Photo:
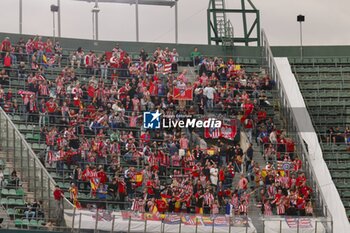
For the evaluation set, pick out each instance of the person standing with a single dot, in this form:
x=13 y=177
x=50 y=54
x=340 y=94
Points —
x=249 y=156
x=209 y=92
x=58 y=196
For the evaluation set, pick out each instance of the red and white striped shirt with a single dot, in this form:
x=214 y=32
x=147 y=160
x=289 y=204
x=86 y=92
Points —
x=208 y=199
x=243 y=208
x=43 y=90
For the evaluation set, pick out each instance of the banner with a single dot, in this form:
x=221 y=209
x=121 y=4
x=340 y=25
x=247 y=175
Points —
x=128 y=221
x=183 y=94
x=303 y=222
x=187 y=219
x=286 y=166
x=228 y=130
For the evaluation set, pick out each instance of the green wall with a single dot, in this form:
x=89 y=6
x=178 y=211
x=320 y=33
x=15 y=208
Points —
x=311 y=51
x=185 y=49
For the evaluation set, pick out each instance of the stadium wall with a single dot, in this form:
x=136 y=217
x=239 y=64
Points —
x=134 y=47
x=185 y=49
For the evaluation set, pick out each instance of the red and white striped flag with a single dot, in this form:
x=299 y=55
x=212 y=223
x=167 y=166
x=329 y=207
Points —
x=167 y=68
x=212 y=133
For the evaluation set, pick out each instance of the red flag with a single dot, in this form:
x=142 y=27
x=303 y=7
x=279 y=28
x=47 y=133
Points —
x=229 y=129
x=183 y=94
x=212 y=133
x=108 y=55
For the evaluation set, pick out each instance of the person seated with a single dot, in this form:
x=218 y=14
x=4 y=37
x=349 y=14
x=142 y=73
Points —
x=14 y=180
x=30 y=210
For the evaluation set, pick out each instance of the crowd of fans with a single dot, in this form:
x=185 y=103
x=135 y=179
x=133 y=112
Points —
x=91 y=124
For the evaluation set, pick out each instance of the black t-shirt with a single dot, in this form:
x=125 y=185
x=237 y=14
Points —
x=199 y=202
x=113 y=187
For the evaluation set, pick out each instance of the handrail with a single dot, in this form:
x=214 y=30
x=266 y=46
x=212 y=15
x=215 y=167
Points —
x=31 y=152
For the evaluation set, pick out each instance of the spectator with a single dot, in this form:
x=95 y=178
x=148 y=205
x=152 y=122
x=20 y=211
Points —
x=209 y=92
x=29 y=210
x=196 y=56
x=14 y=180
x=58 y=196
x=7 y=63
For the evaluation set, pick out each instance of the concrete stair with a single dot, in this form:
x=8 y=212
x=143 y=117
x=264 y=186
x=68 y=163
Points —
x=253 y=211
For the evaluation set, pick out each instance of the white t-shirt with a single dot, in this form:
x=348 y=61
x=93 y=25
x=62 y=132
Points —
x=209 y=92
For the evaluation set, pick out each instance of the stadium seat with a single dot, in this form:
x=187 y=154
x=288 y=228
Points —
x=20 y=192
x=4 y=192
x=20 y=202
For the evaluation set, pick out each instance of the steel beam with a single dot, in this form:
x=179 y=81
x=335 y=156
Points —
x=140 y=2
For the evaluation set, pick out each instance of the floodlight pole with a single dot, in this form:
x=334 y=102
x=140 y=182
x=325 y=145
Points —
x=20 y=16
x=176 y=23
x=59 y=18
x=301 y=40
x=53 y=25
x=95 y=11
x=137 y=19
x=301 y=19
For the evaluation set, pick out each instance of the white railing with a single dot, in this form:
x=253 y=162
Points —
x=35 y=179
x=288 y=114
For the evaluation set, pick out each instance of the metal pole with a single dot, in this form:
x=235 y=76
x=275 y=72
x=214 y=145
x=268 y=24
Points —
x=35 y=191
x=73 y=220
x=129 y=225
x=229 y=225
x=176 y=23
x=20 y=16
x=145 y=230
x=42 y=183
x=59 y=18
x=48 y=194
x=96 y=20
x=96 y=26
x=244 y=16
x=7 y=140
x=298 y=225
x=21 y=147
x=263 y=222
x=93 y=26
x=301 y=40
x=79 y=223
x=180 y=226
x=28 y=164
x=53 y=25
x=113 y=221
x=96 y=222
x=14 y=148
x=316 y=226
x=196 y=225
x=280 y=226
x=137 y=19
x=212 y=227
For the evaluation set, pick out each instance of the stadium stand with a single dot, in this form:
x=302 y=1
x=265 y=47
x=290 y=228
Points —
x=87 y=132
x=324 y=83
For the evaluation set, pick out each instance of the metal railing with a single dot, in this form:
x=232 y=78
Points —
x=36 y=181
x=292 y=126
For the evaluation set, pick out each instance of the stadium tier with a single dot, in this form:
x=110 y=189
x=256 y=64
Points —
x=324 y=84
x=84 y=145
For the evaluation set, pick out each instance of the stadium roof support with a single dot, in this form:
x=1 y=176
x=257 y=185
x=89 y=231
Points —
x=220 y=28
x=169 y=3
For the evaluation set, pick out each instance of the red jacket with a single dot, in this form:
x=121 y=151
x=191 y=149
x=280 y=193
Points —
x=103 y=177
x=7 y=61
x=58 y=194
